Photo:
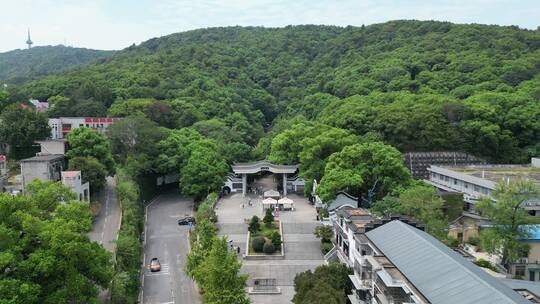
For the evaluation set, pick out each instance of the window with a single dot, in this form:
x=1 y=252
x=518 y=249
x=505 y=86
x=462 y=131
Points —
x=476 y=188
x=81 y=125
x=446 y=178
x=466 y=185
x=455 y=181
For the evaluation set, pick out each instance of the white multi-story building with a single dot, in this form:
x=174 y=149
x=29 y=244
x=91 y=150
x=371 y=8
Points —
x=73 y=180
x=479 y=181
x=60 y=127
x=395 y=261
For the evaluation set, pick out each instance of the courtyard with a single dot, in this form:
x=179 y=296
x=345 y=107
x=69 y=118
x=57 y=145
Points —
x=302 y=251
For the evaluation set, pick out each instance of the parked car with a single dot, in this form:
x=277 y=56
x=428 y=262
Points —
x=186 y=220
x=155 y=265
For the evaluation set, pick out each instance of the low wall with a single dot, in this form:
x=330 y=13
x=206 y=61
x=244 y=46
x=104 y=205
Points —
x=279 y=256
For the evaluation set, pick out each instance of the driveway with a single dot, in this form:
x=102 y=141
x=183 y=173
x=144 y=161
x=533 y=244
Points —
x=107 y=223
x=302 y=248
x=168 y=242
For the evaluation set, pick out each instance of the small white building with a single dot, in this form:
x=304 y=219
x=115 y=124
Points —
x=73 y=180
x=42 y=166
x=53 y=146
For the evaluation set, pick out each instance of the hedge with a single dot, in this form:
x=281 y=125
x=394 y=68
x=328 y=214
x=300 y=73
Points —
x=126 y=282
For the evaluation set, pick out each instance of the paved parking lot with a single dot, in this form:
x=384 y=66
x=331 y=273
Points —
x=302 y=251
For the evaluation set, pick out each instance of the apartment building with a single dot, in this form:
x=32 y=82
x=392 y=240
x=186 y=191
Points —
x=60 y=127
x=395 y=261
x=477 y=181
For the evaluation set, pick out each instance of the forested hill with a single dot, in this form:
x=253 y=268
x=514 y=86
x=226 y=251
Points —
x=416 y=85
x=18 y=66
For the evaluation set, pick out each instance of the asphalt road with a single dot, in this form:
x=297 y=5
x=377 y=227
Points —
x=168 y=242
x=107 y=223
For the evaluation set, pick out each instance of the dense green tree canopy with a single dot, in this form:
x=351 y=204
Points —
x=45 y=254
x=86 y=142
x=22 y=65
x=327 y=284
x=20 y=127
x=363 y=167
x=419 y=85
x=204 y=170
x=92 y=171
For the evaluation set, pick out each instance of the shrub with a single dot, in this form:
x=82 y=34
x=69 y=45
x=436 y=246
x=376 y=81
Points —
x=254 y=225
x=326 y=247
x=268 y=218
x=268 y=247
x=275 y=237
x=452 y=242
x=325 y=233
x=258 y=243
x=485 y=264
x=474 y=240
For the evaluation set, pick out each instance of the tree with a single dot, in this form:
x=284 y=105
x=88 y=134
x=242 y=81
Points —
x=315 y=150
x=48 y=194
x=286 y=147
x=268 y=217
x=325 y=233
x=422 y=203
x=204 y=170
x=219 y=276
x=206 y=233
x=174 y=150
x=136 y=137
x=92 y=171
x=254 y=225
x=327 y=284
x=510 y=221
x=20 y=128
x=362 y=167
x=47 y=245
x=86 y=142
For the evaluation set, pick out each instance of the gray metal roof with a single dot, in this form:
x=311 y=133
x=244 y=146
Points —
x=343 y=199
x=533 y=287
x=439 y=273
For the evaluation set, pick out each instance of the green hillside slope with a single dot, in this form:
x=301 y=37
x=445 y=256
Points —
x=417 y=85
x=22 y=65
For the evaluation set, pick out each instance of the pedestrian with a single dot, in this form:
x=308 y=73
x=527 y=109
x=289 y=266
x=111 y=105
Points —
x=238 y=250
x=249 y=203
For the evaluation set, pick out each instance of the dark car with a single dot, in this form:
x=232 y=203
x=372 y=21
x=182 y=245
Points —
x=186 y=220
x=155 y=265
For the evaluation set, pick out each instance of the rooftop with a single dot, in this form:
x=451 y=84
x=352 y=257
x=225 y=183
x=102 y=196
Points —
x=440 y=274
x=44 y=158
x=262 y=165
x=70 y=174
x=497 y=173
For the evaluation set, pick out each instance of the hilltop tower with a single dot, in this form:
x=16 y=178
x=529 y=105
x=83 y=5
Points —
x=29 y=41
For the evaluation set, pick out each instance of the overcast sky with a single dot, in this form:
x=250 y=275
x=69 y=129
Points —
x=116 y=24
